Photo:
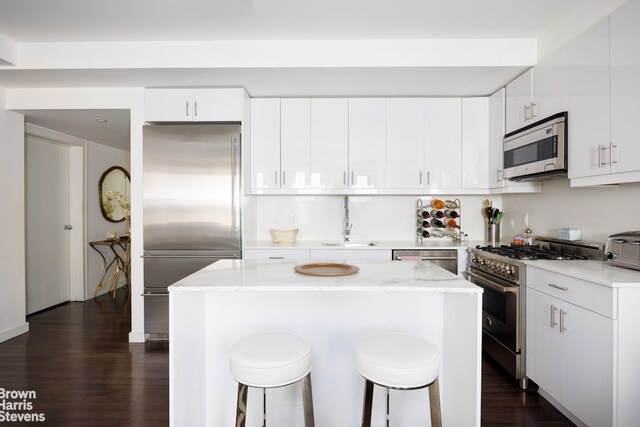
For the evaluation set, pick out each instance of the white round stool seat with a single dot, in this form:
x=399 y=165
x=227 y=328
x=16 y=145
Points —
x=271 y=359
x=397 y=361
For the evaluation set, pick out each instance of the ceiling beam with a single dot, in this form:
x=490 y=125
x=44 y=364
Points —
x=8 y=51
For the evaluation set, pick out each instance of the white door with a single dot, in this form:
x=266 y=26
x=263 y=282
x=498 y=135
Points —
x=496 y=138
x=551 y=85
x=168 y=105
x=47 y=213
x=405 y=142
x=265 y=143
x=295 y=143
x=443 y=143
x=475 y=142
x=518 y=104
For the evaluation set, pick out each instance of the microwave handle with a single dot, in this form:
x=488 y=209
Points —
x=527 y=117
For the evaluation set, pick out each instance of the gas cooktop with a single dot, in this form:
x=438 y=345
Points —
x=529 y=252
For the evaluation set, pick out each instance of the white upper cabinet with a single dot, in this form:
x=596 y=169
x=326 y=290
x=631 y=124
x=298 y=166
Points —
x=589 y=102
x=367 y=143
x=625 y=88
x=443 y=143
x=496 y=140
x=295 y=143
x=193 y=105
x=405 y=142
x=265 y=143
x=551 y=85
x=475 y=143
x=329 y=142
x=519 y=97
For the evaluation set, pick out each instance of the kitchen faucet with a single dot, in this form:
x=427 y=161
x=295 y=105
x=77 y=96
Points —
x=347 y=226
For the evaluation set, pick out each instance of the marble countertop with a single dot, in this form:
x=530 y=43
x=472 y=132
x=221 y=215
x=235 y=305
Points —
x=381 y=244
x=592 y=271
x=277 y=275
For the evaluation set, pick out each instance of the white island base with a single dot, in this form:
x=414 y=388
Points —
x=215 y=307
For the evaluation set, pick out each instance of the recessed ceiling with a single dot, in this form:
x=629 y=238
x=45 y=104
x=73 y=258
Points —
x=114 y=133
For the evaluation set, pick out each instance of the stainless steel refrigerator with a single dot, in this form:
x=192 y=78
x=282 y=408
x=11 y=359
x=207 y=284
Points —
x=191 y=208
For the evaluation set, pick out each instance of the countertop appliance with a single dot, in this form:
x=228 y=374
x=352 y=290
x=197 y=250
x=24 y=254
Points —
x=538 y=150
x=191 y=208
x=623 y=249
x=500 y=271
x=445 y=258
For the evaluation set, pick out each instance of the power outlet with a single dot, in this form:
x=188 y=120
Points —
x=525 y=220
x=294 y=219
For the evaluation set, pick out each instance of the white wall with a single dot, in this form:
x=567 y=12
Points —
x=373 y=217
x=599 y=211
x=12 y=253
x=100 y=158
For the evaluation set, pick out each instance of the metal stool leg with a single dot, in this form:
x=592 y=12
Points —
x=434 y=404
x=241 y=407
x=307 y=401
x=387 y=407
x=367 y=404
x=264 y=407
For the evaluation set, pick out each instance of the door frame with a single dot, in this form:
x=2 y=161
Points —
x=77 y=205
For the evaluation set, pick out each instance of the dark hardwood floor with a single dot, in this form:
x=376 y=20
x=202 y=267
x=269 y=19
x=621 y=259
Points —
x=77 y=359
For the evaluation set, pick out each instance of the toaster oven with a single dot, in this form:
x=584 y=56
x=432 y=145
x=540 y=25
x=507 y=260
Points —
x=623 y=250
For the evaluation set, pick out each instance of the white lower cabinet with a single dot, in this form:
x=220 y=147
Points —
x=288 y=253
x=571 y=350
x=350 y=254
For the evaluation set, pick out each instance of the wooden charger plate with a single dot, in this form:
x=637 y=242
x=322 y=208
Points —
x=326 y=269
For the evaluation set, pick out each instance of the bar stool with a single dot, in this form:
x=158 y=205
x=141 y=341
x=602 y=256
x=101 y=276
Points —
x=269 y=360
x=399 y=362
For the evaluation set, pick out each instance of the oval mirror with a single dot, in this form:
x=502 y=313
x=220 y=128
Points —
x=114 y=190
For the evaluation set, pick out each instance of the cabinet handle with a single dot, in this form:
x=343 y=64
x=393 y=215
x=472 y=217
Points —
x=186 y=104
x=498 y=171
x=353 y=178
x=195 y=108
x=344 y=177
x=276 y=257
x=611 y=147
x=527 y=116
x=562 y=314
x=599 y=156
x=562 y=288
x=284 y=182
x=552 y=316
x=428 y=178
x=275 y=174
x=533 y=110
x=420 y=177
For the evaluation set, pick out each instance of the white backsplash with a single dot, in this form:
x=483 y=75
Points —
x=598 y=211
x=373 y=217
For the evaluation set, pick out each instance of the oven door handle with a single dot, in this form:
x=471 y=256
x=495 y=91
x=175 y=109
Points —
x=494 y=286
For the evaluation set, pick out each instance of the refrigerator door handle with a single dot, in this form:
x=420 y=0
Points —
x=234 y=169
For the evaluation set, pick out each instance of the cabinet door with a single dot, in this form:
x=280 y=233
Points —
x=551 y=85
x=589 y=129
x=475 y=142
x=295 y=142
x=217 y=105
x=168 y=105
x=496 y=139
x=405 y=142
x=625 y=87
x=587 y=365
x=367 y=142
x=265 y=143
x=350 y=254
x=443 y=143
x=518 y=102
x=329 y=142
x=543 y=341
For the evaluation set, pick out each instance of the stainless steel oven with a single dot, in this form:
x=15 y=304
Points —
x=503 y=308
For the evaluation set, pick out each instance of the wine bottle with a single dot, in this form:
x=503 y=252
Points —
x=452 y=214
x=452 y=223
x=450 y=204
x=423 y=232
x=437 y=214
x=423 y=223
x=437 y=233
x=437 y=203
x=437 y=223
x=423 y=213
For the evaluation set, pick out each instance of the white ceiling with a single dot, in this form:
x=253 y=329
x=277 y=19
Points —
x=162 y=20
x=76 y=22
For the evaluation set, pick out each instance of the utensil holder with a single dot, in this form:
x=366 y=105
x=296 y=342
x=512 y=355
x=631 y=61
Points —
x=492 y=234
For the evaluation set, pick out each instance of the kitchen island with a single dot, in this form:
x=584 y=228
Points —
x=226 y=301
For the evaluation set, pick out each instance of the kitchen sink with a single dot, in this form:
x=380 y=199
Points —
x=349 y=244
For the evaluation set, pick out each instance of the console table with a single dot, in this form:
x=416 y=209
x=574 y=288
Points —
x=119 y=259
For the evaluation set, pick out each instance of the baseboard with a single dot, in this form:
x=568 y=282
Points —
x=135 y=336
x=561 y=408
x=13 y=332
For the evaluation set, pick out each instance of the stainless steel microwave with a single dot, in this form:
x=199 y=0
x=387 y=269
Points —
x=538 y=150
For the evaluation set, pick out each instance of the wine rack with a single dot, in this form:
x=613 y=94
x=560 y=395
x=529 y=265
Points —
x=438 y=218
